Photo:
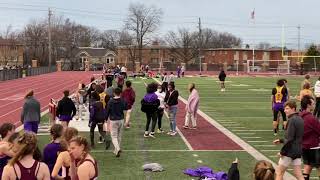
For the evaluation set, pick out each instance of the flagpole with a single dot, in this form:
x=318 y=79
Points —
x=253 y=55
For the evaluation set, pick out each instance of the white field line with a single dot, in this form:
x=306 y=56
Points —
x=265 y=145
x=247 y=133
x=166 y=150
x=180 y=133
x=252 y=137
x=257 y=141
x=250 y=149
x=249 y=130
x=270 y=150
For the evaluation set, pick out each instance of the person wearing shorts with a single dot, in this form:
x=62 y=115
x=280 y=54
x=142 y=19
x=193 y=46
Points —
x=290 y=153
x=278 y=98
x=311 y=136
x=66 y=110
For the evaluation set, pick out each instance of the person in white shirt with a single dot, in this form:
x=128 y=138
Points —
x=161 y=93
x=171 y=78
x=316 y=111
x=124 y=71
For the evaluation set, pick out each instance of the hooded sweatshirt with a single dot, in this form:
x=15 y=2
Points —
x=311 y=133
x=129 y=96
x=115 y=109
x=193 y=102
x=150 y=103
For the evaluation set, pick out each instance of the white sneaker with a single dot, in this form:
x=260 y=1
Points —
x=173 y=133
x=152 y=135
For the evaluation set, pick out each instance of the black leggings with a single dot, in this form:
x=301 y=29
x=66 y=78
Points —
x=316 y=111
x=275 y=115
x=100 y=128
x=151 y=116
x=160 y=115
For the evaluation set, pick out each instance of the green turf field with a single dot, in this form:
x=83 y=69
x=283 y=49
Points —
x=244 y=106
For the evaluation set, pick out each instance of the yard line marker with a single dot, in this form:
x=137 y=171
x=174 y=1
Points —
x=246 y=133
x=199 y=161
x=269 y=150
x=274 y=156
x=258 y=141
x=238 y=127
x=265 y=145
x=252 y=137
x=43 y=134
x=195 y=155
x=262 y=130
x=247 y=147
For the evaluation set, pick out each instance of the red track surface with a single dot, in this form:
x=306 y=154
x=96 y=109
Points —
x=45 y=87
x=206 y=137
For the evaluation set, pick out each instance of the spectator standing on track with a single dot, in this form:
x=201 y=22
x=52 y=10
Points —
x=83 y=165
x=178 y=71
x=171 y=103
x=30 y=115
x=7 y=130
x=290 y=153
x=17 y=167
x=192 y=107
x=63 y=161
x=129 y=96
x=115 y=112
x=149 y=105
x=91 y=89
x=316 y=111
x=222 y=78
x=66 y=109
x=311 y=137
x=51 y=151
x=161 y=93
x=80 y=96
x=124 y=71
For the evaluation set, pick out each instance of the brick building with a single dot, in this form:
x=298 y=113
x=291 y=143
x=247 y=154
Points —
x=11 y=52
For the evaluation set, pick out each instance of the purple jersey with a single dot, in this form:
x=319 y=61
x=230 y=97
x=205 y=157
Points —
x=50 y=154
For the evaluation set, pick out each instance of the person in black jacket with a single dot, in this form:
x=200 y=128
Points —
x=171 y=103
x=290 y=153
x=222 y=78
x=66 y=110
x=149 y=105
x=98 y=115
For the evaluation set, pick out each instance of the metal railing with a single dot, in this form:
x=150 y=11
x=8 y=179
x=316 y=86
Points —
x=9 y=74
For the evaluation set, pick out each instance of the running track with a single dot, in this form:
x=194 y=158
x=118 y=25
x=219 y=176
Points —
x=45 y=87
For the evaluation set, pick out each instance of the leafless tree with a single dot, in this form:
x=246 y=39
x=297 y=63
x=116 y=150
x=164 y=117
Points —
x=142 y=21
x=183 y=45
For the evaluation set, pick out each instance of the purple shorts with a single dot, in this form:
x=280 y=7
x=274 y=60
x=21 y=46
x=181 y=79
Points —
x=31 y=126
x=65 y=118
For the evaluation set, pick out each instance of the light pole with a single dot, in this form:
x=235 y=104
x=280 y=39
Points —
x=200 y=61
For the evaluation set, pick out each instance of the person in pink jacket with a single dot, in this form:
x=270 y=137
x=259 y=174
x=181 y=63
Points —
x=192 y=107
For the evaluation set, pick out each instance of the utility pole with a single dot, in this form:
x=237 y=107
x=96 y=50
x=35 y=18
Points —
x=200 y=43
x=299 y=27
x=49 y=34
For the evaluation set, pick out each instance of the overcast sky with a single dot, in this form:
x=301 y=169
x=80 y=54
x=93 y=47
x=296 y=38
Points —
x=222 y=15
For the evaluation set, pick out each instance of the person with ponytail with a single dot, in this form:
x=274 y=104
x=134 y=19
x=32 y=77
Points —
x=51 y=151
x=264 y=170
x=6 y=147
x=23 y=166
x=63 y=161
x=83 y=165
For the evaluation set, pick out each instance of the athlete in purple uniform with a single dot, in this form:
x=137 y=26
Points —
x=278 y=99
